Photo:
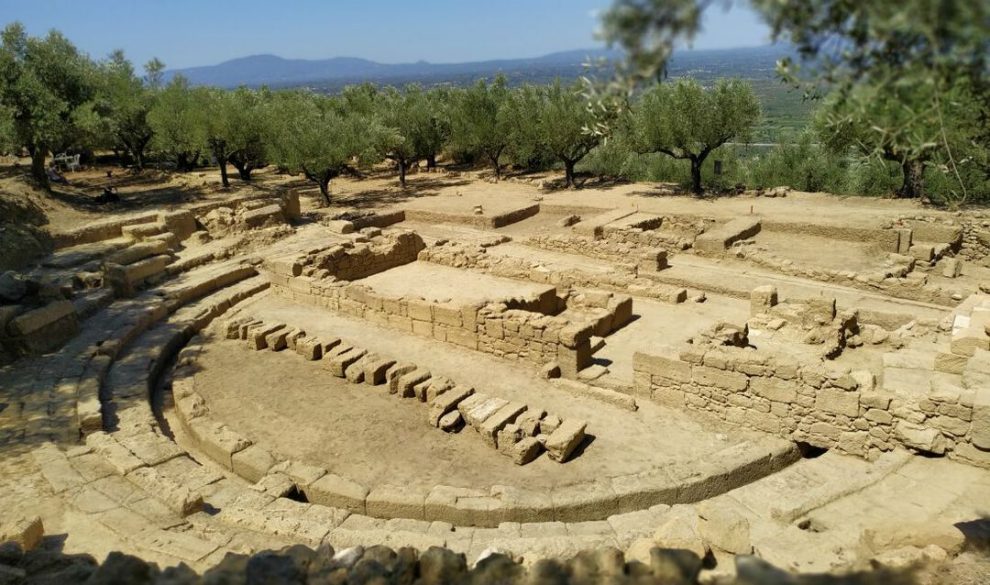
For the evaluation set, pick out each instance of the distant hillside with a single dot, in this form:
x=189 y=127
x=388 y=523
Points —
x=331 y=74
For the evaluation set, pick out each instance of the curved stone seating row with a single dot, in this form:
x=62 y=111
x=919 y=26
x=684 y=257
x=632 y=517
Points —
x=580 y=502
x=174 y=483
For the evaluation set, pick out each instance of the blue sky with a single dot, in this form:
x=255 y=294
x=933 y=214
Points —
x=186 y=33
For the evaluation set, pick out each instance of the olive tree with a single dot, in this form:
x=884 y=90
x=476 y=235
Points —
x=482 y=121
x=123 y=102
x=941 y=44
x=562 y=120
x=44 y=83
x=314 y=135
x=687 y=121
x=178 y=123
x=419 y=127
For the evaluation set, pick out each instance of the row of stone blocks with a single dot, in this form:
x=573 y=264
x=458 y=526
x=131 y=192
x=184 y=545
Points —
x=515 y=429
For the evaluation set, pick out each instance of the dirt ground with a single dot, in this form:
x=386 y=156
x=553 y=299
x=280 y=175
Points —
x=301 y=410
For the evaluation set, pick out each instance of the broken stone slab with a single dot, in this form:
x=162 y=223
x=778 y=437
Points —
x=279 y=340
x=496 y=422
x=26 y=531
x=376 y=368
x=924 y=439
x=436 y=387
x=405 y=383
x=258 y=336
x=525 y=450
x=310 y=348
x=339 y=362
x=354 y=373
x=173 y=494
x=246 y=326
x=479 y=407
x=562 y=442
x=395 y=372
x=724 y=527
x=451 y=422
x=720 y=238
x=447 y=402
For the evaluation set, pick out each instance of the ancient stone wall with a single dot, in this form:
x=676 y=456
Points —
x=625 y=277
x=481 y=220
x=516 y=334
x=820 y=404
x=350 y=260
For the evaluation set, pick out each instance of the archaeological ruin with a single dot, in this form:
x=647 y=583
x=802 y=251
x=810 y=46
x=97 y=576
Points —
x=503 y=378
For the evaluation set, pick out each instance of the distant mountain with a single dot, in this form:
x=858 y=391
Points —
x=329 y=74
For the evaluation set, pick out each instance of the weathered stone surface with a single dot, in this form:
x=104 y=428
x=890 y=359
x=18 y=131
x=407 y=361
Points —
x=447 y=402
x=562 y=442
x=724 y=527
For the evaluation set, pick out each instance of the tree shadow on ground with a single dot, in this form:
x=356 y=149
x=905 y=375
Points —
x=391 y=195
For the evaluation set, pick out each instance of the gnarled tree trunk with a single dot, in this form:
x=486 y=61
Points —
x=38 y=154
x=914 y=179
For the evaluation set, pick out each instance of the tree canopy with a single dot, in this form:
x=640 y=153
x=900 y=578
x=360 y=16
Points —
x=686 y=121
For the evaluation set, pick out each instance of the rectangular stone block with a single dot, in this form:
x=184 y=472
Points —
x=493 y=424
x=447 y=402
x=337 y=492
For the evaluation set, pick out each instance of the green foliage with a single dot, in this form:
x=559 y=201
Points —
x=43 y=82
x=178 y=122
x=316 y=136
x=122 y=103
x=685 y=121
x=798 y=164
x=561 y=120
x=418 y=126
x=483 y=121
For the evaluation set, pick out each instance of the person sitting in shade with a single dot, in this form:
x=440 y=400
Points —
x=54 y=176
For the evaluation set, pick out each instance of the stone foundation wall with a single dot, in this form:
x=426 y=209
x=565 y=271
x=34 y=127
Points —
x=625 y=277
x=482 y=220
x=350 y=260
x=515 y=334
x=820 y=404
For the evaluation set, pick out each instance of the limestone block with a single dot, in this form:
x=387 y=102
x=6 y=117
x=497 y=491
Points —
x=762 y=299
x=395 y=372
x=719 y=239
x=279 y=340
x=310 y=348
x=476 y=409
x=258 y=336
x=388 y=501
x=724 y=527
x=375 y=368
x=923 y=252
x=951 y=267
x=262 y=216
x=27 y=532
x=950 y=363
x=405 y=383
x=217 y=440
x=451 y=422
x=980 y=432
x=493 y=424
x=176 y=496
x=45 y=329
x=904 y=237
x=562 y=441
x=525 y=450
x=919 y=438
x=181 y=223
x=679 y=530
x=711 y=377
x=252 y=463
x=339 y=362
x=354 y=373
x=447 y=402
x=340 y=226
x=337 y=492
x=837 y=401
x=966 y=342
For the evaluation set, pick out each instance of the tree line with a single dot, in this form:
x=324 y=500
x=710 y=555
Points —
x=53 y=98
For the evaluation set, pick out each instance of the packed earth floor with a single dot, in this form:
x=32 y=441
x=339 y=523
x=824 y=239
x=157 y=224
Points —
x=494 y=369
